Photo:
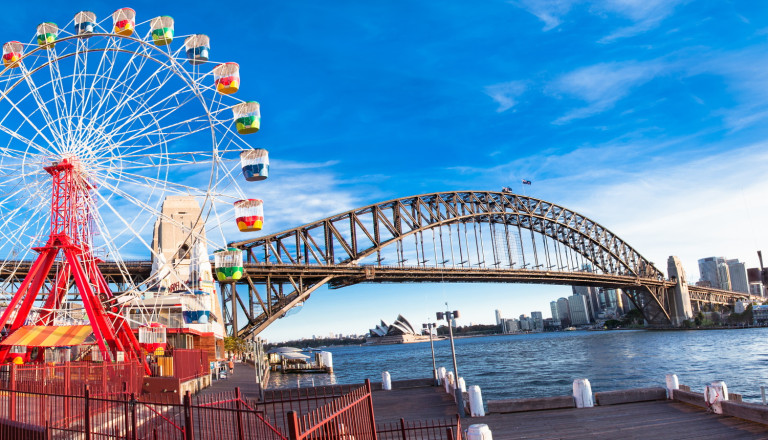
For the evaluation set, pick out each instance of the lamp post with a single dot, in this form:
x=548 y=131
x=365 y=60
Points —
x=450 y=318
x=429 y=326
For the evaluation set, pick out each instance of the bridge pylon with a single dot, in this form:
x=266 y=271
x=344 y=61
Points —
x=680 y=305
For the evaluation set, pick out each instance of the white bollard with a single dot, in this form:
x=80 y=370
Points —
x=672 y=385
x=481 y=431
x=449 y=382
x=714 y=394
x=327 y=358
x=386 y=381
x=476 y=402
x=441 y=375
x=462 y=385
x=582 y=393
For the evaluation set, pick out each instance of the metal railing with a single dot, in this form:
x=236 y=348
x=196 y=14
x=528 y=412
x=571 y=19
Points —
x=72 y=378
x=346 y=418
x=446 y=429
x=190 y=364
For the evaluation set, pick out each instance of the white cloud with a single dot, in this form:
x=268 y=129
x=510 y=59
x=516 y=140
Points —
x=645 y=14
x=601 y=85
x=506 y=94
x=550 y=12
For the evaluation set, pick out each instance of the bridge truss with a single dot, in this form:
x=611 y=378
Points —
x=470 y=236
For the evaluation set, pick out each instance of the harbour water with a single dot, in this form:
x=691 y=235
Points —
x=545 y=364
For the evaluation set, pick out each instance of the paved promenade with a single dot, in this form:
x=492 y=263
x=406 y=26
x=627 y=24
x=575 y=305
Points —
x=658 y=420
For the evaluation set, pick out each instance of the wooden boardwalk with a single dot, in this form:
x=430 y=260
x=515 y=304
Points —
x=658 y=420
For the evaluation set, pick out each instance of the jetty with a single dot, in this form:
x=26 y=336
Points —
x=644 y=413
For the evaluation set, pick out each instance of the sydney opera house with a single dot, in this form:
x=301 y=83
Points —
x=399 y=332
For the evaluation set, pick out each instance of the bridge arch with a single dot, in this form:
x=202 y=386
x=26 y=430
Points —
x=522 y=234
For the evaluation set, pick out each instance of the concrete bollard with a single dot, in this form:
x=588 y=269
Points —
x=449 y=382
x=461 y=385
x=441 y=375
x=480 y=431
x=714 y=394
x=476 y=402
x=386 y=381
x=327 y=359
x=582 y=393
x=672 y=385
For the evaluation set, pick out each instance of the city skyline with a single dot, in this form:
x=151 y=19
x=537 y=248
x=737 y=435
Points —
x=646 y=117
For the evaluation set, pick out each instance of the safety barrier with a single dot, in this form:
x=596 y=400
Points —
x=446 y=429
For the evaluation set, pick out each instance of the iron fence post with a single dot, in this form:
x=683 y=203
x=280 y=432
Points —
x=402 y=429
x=293 y=425
x=134 y=423
x=87 y=414
x=239 y=405
x=12 y=387
x=189 y=433
x=370 y=408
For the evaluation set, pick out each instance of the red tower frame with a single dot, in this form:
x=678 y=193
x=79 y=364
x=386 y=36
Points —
x=70 y=235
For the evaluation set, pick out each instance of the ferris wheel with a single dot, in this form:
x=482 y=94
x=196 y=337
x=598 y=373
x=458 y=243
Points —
x=101 y=122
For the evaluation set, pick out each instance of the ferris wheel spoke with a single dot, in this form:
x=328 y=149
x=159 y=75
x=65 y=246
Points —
x=131 y=72
x=57 y=85
x=41 y=104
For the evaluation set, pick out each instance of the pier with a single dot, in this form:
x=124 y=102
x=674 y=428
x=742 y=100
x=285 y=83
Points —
x=413 y=402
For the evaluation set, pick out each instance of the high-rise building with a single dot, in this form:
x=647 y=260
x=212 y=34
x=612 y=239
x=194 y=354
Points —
x=578 y=308
x=555 y=313
x=737 y=272
x=537 y=320
x=715 y=270
x=564 y=312
x=525 y=323
x=593 y=304
x=511 y=325
x=498 y=317
x=757 y=289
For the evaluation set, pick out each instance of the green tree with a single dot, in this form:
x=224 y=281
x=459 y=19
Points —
x=233 y=344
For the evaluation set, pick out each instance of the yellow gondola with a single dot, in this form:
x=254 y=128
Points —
x=12 y=52
x=124 y=21
x=226 y=77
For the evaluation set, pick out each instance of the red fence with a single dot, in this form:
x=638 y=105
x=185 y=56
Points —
x=72 y=378
x=335 y=412
x=346 y=418
x=447 y=429
x=190 y=364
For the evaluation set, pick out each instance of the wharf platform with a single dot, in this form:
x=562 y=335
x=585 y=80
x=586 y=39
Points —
x=658 y=420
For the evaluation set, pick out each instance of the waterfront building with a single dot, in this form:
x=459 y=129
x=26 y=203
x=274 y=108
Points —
x=555 y=313
x=578 y=310
x=399 y=332
x=564 y=312
x=538 y=321
x=757 y=289
x=737 y=273
x=511 y=326
x=525 y=323
x=498 y=317
x=590 y=294
x=740 y=306
x=760 y=314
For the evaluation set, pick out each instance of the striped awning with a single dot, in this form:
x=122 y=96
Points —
x=49 y=336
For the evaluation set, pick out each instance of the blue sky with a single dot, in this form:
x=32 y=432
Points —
x=647 y=116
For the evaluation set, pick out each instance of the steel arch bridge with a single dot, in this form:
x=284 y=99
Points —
x=464 y=236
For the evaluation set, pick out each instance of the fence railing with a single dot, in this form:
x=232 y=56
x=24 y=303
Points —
x=72 y=378
x=446 y=429
x=346 y=418
x=190 y=364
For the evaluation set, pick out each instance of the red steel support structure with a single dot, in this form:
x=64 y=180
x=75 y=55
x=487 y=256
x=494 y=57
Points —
x=71 y=234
